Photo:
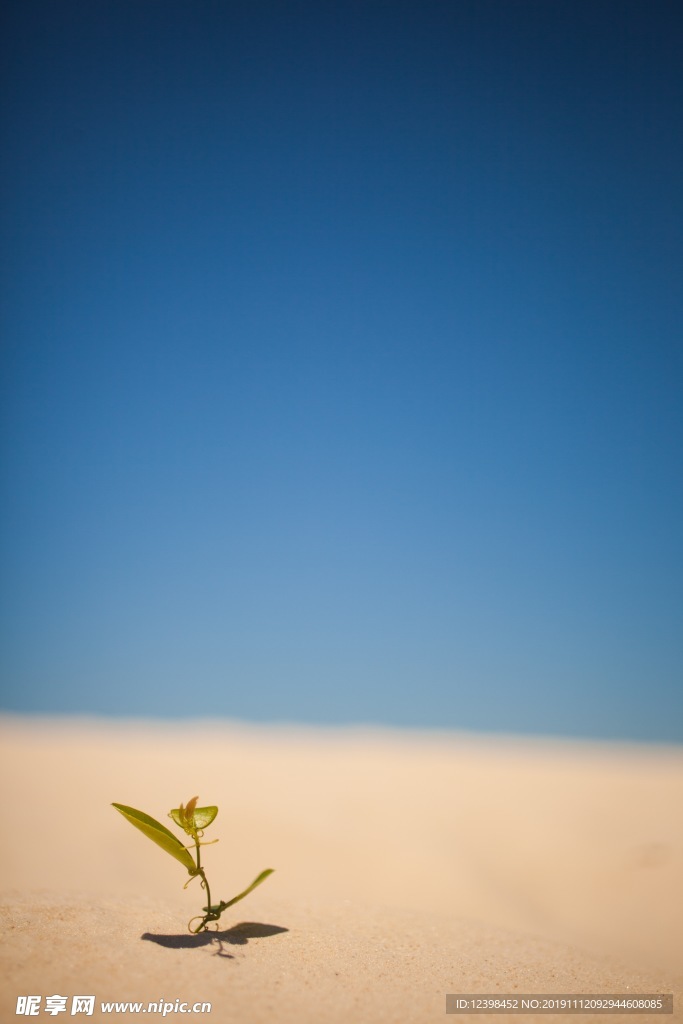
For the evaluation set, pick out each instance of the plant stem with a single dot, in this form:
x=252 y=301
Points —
x=210 y=915
x=205 y=880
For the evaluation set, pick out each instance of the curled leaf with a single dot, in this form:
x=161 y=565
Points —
x=191 y=818
x=203 y=816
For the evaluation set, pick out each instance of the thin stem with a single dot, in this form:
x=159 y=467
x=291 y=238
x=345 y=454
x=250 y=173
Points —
x=205 y=881
x=210 y=915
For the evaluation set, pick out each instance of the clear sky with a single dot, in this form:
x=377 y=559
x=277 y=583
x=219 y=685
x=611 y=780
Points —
x=342 y=362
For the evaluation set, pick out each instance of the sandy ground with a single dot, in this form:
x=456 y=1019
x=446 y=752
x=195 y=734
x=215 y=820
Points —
x=408 y=865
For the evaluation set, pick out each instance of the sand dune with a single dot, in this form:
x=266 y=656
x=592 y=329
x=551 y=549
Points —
x=407 y=865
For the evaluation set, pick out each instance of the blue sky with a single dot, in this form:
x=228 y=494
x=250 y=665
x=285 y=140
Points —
x=342 y=363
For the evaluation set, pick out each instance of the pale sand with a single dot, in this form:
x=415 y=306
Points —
x=407 y=866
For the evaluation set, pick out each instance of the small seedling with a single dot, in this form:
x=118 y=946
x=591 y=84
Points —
x=192 y=820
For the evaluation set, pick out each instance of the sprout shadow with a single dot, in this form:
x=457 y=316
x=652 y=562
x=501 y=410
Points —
x=238 y=935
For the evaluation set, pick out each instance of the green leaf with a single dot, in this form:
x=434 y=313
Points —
x=159 y=834
x=257 y=881
x=201 y=817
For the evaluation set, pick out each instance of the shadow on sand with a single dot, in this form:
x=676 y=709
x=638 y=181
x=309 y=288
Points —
x=238 y=935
